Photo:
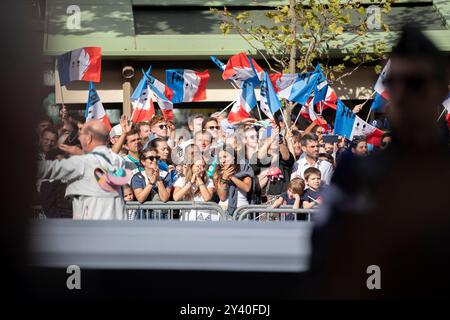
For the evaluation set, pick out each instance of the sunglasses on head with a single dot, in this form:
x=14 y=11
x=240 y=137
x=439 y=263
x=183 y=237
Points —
x=152 y=158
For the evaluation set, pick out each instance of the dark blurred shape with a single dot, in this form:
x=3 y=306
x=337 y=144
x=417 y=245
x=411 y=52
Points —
x=392 y=209
x=21 y=82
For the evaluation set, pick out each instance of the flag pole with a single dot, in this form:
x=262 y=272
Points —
x=442 y=113
x=284 y=119
x=226 y=108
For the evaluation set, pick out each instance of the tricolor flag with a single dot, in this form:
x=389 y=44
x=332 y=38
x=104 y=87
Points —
x=269 y=102
x=300 y=90
x=242 y=68
x=80 y=64
x=308 y=112
x=163 y=96
x=350 y=125
x=282 y=81
x=381 y=92
x=331 y=99
x=187 y=85
x=218 y=63
x=143 y=108
x=446 y=105
x=94 y=107
x=245 y=102
x=320 y=91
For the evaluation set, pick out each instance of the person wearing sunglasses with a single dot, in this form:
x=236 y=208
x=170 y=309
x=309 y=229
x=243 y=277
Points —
x=212 y=126
x=158 y=127
x=147 y=185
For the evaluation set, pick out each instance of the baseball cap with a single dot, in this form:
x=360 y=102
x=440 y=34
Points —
x=115 y=131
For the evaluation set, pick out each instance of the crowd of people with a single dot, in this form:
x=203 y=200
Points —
x=210 y=159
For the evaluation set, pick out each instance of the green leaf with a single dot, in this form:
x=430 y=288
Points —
x=378 y=69
x=225 y=28
x=362 y=11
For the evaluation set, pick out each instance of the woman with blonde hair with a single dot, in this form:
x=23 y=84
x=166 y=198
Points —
x=195 y=185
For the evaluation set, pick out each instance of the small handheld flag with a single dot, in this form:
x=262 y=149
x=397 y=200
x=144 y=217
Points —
x=80 y=64
x=94 y=107
x=242 y=68
x=350 y=125
x=300 y=90
x=246 y=101
x=187 y=85
x=143 y=108
x=269 y=100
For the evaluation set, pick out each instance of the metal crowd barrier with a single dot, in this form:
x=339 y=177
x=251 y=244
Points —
x=157 y=210
x=261 y=213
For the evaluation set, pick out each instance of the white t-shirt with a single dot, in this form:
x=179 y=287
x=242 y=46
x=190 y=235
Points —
x=197 y=215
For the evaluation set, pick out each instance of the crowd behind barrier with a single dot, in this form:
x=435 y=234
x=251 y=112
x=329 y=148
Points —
x=211 y=169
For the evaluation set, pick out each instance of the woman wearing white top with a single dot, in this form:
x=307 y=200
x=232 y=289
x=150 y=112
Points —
x=195 y=186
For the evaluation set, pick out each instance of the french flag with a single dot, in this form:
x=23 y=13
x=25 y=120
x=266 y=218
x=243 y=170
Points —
x=269 y=100
x=381 y=93
x=446 y=105
x=331 y=99
x=80 y=64
x=242 y=68
x=187 y=85
x=282 y=81
x=143 y=108
x=94 y=107
x=308 y=112
x=300 y=90
x=244 y=104
x=350 y=125
x=163 y=96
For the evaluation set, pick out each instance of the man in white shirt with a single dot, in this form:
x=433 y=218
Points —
x=90 y=200
x=310 y=147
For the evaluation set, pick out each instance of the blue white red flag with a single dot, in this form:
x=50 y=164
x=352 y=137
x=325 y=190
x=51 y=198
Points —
x=381 y=93
x=245 y=102
x=269 y=102
x=300 y=90
x=163 y=96
x=80 y=64
x=187 y=85
x=94 y=107
x=143 y=108
x=242 y=68
x=349 y=125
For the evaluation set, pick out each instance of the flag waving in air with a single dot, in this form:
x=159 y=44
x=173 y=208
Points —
x=300 y=90
x=80 y=64
x=350 y=125
x=245 y=102
x=187 y=85
x=282 y=81
x=94 y=107
x=163 y=96
x=143 y=109
x=381 y=92
x=269 y=100
x=242 y=68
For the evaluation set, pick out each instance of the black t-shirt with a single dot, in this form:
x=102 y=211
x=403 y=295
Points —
x=277 y=187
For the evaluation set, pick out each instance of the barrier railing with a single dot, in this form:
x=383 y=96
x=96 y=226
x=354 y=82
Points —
x=283 y=213
x=188 y=211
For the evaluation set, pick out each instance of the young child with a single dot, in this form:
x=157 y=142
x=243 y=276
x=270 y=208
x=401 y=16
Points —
x=311 y=197
x=128 y=196
x=292 y=197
